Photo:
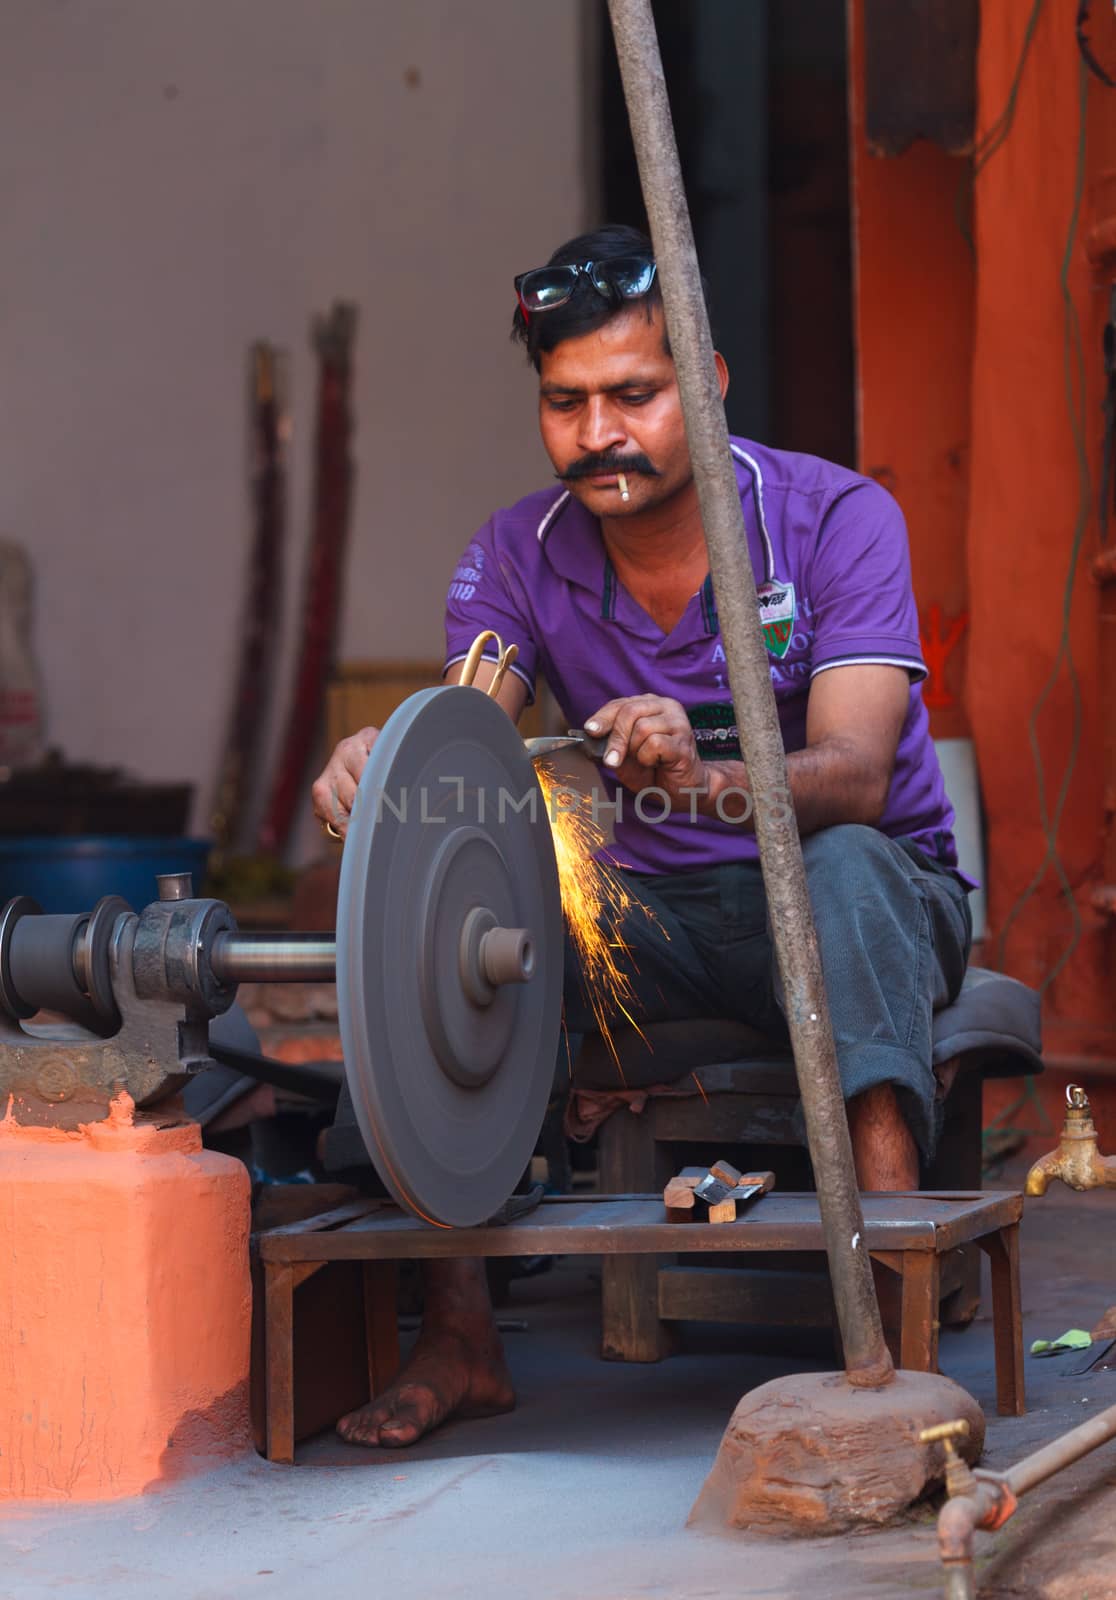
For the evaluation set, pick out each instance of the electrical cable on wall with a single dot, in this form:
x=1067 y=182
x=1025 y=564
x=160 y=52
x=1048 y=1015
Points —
x=994 y=135
x=1084 y=44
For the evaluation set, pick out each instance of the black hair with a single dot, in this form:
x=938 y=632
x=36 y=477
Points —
x=585 y=310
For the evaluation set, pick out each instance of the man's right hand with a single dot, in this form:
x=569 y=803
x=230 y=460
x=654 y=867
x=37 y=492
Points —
x=334 y=792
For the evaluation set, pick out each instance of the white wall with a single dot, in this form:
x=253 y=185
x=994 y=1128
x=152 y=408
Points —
x=181 y=177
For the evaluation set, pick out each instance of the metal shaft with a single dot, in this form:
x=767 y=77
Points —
x=866 y=1355
x=274 y=957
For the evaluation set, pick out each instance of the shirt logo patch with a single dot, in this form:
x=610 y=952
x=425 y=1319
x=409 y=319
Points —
x=777 y=614
x=715 y=730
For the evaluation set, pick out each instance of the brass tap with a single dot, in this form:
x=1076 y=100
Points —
x=1077 y=1161
x=959 y=1479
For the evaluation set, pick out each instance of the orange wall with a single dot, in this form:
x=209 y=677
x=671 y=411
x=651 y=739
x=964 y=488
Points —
x=963 y=412
x=914 y=288
x=1029 y=503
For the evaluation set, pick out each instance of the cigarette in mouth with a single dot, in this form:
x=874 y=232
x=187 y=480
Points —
x=623 y=482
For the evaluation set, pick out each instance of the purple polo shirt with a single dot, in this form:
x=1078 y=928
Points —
x=829 y=550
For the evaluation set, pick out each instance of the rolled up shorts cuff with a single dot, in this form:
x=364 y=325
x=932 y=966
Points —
x=864 y=1066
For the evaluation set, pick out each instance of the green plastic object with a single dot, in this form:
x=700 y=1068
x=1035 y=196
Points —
x=1072 y=1339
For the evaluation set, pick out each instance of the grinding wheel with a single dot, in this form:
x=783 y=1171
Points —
x=449 y=956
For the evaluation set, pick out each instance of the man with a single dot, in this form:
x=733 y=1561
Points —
x=603 y=583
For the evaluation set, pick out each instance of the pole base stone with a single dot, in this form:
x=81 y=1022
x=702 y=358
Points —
x=813 y=1454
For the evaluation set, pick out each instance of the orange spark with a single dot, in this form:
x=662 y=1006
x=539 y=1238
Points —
x=595 y=902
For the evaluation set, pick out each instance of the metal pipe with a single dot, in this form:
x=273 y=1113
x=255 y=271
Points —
x=866 y=1356
x=995 y=1498
x=957 y=1522
x=274 y=957
x=1062 y=1452
x=958 y=1585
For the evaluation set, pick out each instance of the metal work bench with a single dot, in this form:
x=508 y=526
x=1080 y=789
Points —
x=909 y=1233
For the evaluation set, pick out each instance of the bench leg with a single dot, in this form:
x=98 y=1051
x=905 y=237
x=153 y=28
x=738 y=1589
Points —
x=631 y=1163
x=381 y=1324
x=631 y=1329
x=909 y=1306
x=1007 y=1319
x=279 y=1290
x=918 y=1336
x=281 y=1279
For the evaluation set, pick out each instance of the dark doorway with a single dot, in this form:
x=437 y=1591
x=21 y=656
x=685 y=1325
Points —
x=758 y=93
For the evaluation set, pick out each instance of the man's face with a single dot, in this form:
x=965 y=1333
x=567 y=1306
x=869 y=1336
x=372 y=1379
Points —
x=609 y=404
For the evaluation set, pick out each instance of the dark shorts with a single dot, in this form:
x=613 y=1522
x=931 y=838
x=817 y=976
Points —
x=894 y=933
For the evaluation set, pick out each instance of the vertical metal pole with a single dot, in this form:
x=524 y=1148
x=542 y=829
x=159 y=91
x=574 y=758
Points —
x=866 y=1356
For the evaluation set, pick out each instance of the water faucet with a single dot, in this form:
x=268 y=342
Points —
x=1077 y=1161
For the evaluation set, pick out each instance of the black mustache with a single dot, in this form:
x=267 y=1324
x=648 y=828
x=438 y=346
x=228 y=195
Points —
x=596 y=466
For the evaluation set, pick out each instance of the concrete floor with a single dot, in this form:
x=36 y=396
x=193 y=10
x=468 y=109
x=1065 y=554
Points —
x=583 y=1492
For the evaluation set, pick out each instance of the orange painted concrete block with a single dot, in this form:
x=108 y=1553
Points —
x=125 y=1307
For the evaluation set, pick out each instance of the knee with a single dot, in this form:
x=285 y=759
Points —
x=849 y=853
x=856 y=878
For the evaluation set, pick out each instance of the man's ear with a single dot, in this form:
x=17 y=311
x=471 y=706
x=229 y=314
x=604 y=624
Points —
x=722 y=372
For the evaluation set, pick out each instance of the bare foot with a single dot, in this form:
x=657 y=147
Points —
x=449 y=1373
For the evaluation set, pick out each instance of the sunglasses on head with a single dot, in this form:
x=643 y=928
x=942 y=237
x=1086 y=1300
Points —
x=547 y=288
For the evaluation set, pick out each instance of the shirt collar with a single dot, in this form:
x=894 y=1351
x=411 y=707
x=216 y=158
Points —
x=570 y=538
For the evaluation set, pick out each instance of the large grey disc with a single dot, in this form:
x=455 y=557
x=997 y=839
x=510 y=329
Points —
x=449 y=833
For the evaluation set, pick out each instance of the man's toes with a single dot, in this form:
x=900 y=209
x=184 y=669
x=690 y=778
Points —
x=397 y=1433
x=360 y=1427
x=414 y=1412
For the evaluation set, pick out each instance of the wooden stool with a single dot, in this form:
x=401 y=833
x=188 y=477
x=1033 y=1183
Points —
x=907 y=1233
x=731 y=1087
x=284 y=1420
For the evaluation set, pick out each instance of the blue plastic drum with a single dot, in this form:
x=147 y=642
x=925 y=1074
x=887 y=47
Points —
x=73 y=873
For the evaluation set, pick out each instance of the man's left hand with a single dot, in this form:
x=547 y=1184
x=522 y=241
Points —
x=651 y=745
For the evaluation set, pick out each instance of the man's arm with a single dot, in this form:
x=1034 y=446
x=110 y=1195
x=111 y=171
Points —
x=854 y=717
x=335 y=790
